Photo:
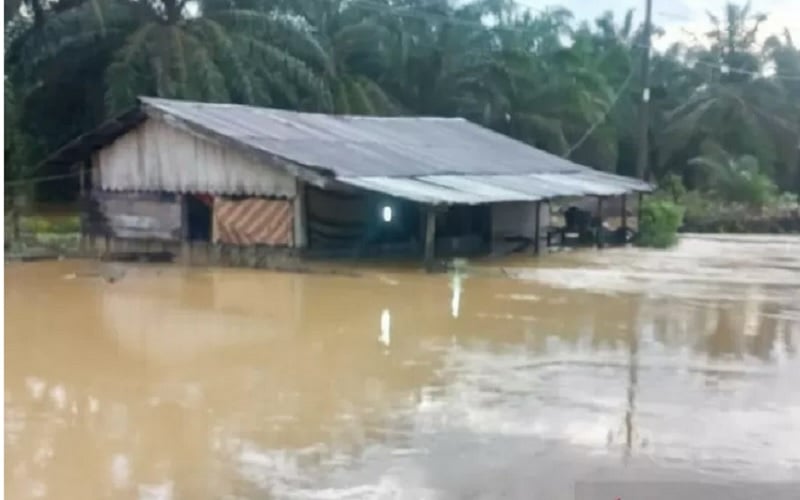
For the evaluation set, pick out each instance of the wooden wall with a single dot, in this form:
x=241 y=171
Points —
x=158 y=156
x=127 y=215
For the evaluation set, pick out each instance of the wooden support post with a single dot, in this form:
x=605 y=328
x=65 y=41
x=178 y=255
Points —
x=624 y=214
x=599 y=234
x=639 y=212
x=84 y=208
x=430 y=237
x=537 y=236
x=299 y=229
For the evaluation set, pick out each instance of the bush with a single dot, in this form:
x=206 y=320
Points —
x=36 y=224
x=659 y=223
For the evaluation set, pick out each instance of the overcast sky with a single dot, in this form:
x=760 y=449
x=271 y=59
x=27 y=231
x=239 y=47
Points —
x=678 y=16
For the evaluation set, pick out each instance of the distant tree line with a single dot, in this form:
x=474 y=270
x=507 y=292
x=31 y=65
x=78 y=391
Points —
x=725 y=108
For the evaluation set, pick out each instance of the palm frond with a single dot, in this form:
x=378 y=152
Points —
x=543 y=131
x=206 y=81
x=224 y=52
x=360 y=103
x=341 y=100
x=178 y=56
x=296 y=70
x=121 y=75
x=382 y=103
x=296 y=38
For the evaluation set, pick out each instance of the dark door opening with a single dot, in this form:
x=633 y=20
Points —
x=199 y=217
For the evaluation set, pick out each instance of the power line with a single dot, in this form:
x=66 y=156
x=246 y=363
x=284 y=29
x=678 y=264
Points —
x=602 y=120
x=44 y=178
x=675 y=16
x=728 y=69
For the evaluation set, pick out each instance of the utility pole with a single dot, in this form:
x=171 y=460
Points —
x=644 y=118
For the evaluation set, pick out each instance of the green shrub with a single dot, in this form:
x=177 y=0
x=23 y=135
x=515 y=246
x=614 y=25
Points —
x=36 y=224
x=659 y=223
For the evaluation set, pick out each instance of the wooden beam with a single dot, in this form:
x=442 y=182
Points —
x=430 y=236
x=537 y=236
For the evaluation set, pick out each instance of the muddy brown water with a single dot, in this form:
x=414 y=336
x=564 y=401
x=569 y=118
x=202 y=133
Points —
x=512 y=379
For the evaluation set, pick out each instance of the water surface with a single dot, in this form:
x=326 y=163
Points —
x=510 y=379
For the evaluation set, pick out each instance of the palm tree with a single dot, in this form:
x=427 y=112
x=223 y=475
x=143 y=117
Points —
x=204 y=51
x=737 y=179
x=784 y=56
x=351 y=52
x=16 y=158
x=560 y=96
x=731 y=106
x=438 y=55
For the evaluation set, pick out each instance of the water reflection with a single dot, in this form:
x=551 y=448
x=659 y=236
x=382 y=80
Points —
x=456 y=286
x=177 y=383
x=385 y=337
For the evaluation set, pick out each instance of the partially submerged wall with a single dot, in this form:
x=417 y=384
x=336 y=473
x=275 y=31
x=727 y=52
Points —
x=154 y=216
x=518 y=220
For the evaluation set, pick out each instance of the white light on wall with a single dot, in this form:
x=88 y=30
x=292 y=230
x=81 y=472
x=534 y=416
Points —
x=387 y=213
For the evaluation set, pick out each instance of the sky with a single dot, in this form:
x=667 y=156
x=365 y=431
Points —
x=679 y=16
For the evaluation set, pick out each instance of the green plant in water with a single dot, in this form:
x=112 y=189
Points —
x=659 y=223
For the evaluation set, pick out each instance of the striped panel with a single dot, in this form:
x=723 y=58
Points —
x=253 y=221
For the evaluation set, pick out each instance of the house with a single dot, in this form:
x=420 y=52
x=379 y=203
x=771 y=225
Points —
x=225 y=182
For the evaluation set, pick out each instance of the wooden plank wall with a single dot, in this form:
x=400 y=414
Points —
x=127 y=215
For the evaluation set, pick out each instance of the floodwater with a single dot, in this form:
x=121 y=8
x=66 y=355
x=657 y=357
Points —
x=505 y=380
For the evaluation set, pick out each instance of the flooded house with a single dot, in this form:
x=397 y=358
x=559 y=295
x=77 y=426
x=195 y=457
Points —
x=243 y=185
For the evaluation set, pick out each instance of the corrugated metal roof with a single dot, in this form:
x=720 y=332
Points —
x=426 y=159
x=477 y=189
x=356 y=146
x=430 y=160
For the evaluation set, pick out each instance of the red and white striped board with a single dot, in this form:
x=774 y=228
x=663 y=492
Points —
x=253 y=221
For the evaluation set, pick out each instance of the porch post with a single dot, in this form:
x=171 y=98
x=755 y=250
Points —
x=599 y=234
x=430 y=236
x=300 y=234
x=537 y=241
x=639 y=212
x=84 y=205
x=624 y=214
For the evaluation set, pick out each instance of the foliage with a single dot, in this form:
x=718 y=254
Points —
x=55 y=225
x=735 y=179
x=659 y=223
x=570 y=87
